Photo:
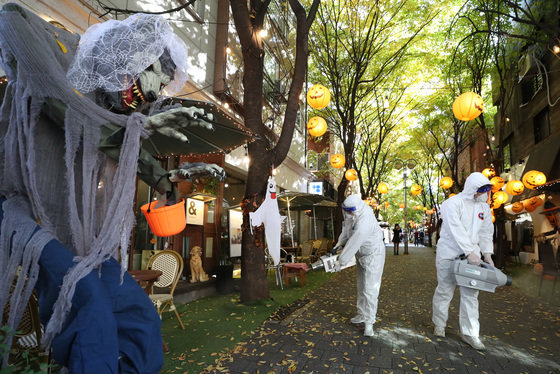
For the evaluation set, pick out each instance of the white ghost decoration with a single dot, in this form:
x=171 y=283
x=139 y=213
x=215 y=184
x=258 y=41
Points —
x=268 y=214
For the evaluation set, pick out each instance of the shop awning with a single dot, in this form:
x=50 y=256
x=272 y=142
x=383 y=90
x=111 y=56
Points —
x=303 y=201
x=226 y=135
x=545 y=158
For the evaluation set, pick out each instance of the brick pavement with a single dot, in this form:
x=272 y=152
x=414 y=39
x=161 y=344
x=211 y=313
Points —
x=521 y=332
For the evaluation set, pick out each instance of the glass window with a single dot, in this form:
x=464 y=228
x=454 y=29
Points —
x=541 y=125
x=211 y=210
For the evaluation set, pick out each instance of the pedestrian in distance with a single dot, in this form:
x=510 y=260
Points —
x=396 y=239
x=467 y=230
x=362 y=239
x=416 y=237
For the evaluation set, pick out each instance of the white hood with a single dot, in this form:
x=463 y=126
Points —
x=473 y=183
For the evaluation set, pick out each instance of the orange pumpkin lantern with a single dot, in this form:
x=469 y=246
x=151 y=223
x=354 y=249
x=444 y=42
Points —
x=498 y=198
x=383 y=188
x=351 y=174
x=517 y=207
x=337 y=160
x=401 y=206
x=446 y=183
x=501 y=196
x=316 y=126
x=489 y=172
x=532 y=203
x=318 y=96
x=468 y=106
x=497 y=183
x=514 y=187
x=533 y=178
x=416 y=189
x=386 y=204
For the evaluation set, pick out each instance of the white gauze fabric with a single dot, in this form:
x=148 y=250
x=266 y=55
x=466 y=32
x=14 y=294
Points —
x=58 y=168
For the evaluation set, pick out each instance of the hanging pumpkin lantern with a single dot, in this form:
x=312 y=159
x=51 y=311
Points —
x=401 y=206
x=386 y=204
x=496 y=201
x=533 y=178
x=429 y=211
x=501 y=196
x=416 y=189
x=383 y=188
x=316 y=126
x=337 y=160
x=517 y=207
x=497 y=183
x=532 y=203
x=514 y=187
x=468 y=106
x=318 y=96
x=489 y=172
x=446 y=183
x=351 y=174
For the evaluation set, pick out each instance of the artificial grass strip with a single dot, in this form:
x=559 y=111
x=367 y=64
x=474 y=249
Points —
x=216 y=324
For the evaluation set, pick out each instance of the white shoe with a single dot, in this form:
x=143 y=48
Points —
x=369 y=330
x=357 y=319
x=473 y=341
x=439 y=331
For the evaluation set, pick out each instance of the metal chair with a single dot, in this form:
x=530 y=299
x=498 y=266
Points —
x=269 y=263
x=170 y=263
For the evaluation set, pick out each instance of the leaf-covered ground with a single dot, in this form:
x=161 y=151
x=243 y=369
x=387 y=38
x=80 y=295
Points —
x=520 y=330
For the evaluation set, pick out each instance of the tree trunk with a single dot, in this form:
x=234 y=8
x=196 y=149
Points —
x=263 y=155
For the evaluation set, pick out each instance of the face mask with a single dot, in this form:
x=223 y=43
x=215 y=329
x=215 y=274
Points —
x=482 y=198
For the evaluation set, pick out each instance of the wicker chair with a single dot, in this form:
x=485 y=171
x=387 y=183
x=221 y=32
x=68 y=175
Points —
x=170 y=263
x=306 y=252
x=28 y=334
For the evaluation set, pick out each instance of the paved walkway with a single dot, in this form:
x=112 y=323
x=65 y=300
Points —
x=521 y=332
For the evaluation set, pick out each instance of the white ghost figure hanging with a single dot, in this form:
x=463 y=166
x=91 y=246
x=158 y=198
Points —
x=269 y=215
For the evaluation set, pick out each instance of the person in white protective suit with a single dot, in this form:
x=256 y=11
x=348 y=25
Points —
x=362 y=237
x=467 y=229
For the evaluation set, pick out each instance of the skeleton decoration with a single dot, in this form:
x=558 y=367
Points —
x=269 y=215
x=67 y=99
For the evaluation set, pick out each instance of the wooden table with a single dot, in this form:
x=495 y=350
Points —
x=295 y=270
x=146 y=278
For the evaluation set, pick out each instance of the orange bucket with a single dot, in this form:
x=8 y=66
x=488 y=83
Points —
x=166 y=220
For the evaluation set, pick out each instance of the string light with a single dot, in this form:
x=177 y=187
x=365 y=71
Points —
x=228 y=50
x=263 y=33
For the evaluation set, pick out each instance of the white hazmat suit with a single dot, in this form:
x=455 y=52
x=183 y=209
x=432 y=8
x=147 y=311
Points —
x=467 y=229
x=362 y=238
